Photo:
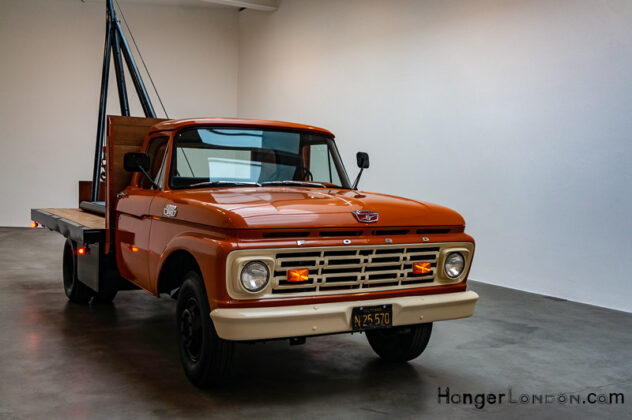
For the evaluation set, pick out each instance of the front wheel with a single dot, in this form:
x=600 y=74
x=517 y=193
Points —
x=205 y=357
x=400 y=344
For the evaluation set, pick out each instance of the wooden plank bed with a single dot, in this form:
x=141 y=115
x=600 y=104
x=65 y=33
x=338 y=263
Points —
x=89 y=220
x=76 y=224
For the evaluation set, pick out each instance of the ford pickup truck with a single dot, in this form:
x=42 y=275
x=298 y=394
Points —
x=255 y=228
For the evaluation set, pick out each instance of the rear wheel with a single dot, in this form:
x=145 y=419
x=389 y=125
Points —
x=205 y=357
x=105 y=295
x=76 y=291
x=400 y=344
x=108 y=287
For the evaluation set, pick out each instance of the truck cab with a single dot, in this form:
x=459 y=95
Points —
x=256 y=229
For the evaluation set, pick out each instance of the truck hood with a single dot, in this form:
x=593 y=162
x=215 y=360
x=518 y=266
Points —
x=298 y=207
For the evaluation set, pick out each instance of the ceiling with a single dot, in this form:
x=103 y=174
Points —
x=262 y=5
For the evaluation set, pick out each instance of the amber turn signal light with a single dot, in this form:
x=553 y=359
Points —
x=34 y=224
x=81 y=251
x=297 y=275
x=421 y=268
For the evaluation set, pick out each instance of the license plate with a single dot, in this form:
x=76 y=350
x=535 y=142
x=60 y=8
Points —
x=371 y=317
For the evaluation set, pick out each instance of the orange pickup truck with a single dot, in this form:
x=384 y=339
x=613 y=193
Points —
x=255 y=228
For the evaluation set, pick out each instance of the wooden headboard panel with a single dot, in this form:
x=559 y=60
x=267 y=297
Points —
x=124 y=134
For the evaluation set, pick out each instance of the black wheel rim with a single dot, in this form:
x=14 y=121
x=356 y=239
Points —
x=191 y=330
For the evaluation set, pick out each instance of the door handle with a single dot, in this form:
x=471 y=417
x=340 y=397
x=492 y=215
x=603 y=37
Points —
x=122 y=195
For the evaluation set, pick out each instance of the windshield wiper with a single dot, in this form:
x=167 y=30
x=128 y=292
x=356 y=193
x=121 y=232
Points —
x=295 y=184
x=225 y=184
x=257 y=184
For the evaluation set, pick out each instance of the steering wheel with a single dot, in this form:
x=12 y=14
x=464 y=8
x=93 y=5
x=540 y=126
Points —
x=301 y=172
x=305 y=174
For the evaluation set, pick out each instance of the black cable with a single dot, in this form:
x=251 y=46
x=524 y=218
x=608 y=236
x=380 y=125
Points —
x=141 y=58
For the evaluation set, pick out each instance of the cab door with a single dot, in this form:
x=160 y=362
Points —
x=134 y=221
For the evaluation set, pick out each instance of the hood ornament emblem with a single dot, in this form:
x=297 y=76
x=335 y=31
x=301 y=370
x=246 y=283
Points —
x=366 y=216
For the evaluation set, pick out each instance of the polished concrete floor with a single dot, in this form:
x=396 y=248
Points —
x=59 y=360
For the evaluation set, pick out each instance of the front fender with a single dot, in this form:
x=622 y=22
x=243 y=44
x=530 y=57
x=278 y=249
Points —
x=210 y=255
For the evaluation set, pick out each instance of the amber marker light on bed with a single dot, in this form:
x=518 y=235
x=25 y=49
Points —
x=421 y=268
x=134 y=248
x=297 y=275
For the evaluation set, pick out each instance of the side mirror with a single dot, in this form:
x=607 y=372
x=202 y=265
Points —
x=136 y=162
x=363 y=163
x=363 y=160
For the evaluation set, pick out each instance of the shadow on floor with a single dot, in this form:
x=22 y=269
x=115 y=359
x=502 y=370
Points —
x=138 y=343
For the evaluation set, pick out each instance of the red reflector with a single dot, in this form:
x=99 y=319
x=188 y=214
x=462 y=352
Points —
x=297 y=275
x=34 y=225
x=421 y=268
x=81 y=251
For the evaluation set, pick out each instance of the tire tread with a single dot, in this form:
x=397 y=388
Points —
x=399 y=345
x=218 y=362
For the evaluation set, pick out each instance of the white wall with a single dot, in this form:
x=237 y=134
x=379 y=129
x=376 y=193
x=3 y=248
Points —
x=51 y=53
x=516 y=113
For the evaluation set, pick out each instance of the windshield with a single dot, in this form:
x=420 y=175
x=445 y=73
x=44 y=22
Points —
x=206 y=156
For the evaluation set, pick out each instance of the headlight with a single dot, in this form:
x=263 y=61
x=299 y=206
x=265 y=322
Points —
x=254 y=276
x=454 y=265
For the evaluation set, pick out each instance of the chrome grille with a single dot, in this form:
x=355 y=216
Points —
x=354 y=269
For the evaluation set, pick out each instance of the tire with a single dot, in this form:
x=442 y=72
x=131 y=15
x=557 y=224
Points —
x=76 y=291
x=400 y=344
x=105 y=295
x=205 y=357
x=108 y=288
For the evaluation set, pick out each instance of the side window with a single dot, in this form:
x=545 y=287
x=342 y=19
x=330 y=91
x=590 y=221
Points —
x=321 y=164
x=157 y=160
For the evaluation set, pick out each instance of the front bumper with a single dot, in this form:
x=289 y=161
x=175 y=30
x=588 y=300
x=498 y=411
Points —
x=329 y=318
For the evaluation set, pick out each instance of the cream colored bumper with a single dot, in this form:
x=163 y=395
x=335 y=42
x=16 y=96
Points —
x=328 y=318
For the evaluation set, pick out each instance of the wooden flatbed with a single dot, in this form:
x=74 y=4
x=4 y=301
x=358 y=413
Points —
x=76 y=224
